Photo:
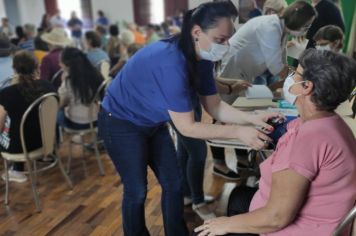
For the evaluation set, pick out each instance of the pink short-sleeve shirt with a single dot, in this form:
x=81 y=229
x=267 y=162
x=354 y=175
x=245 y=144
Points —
x=324 y=152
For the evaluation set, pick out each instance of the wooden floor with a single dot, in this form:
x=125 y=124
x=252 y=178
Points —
x=91 y=208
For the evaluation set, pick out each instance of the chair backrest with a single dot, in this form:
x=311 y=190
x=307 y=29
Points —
x=96 y=101
x=347 y=222
x=56 y=79
x=104 y=68
x=48 y=105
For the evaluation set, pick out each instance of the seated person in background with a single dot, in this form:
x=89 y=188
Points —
x=127 y=39
x=151 y=34
x=30 y=33
x=14 y=100
x=101 y=31
x=20 y=36
x=56 y=40
x=307 y=185
x=41 y=48
x=113 y=46
x=94 y=53
x=5 y=59
x=80 y=83
x=139 y=37
x=271 y=7
x=330 y=38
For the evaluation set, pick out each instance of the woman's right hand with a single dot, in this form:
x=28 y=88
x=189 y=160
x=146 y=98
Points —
x=252 y=137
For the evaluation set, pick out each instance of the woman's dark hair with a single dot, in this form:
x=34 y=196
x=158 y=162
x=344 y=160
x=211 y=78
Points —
x=83 y=77
x=101 y=13
x=231 y=7
x=25 y=65
x=333 y=76
x=298 y=14
x=19 y=32
x=93 y=39
x=40 y=44
x=330 y=33
x=114 y=30
x=205 y=16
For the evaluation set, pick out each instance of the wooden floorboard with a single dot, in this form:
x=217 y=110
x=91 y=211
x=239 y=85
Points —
x=93 y=207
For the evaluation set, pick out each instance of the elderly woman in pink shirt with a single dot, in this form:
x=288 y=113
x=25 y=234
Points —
x=309 y=183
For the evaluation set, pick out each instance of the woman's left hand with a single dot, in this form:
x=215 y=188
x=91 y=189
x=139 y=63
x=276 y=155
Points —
x=260 y=120
x=217 y=226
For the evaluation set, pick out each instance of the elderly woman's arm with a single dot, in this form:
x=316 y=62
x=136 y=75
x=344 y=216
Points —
x=288 y=193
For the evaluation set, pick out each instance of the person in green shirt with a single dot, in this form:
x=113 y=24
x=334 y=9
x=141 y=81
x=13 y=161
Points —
x=151 y=34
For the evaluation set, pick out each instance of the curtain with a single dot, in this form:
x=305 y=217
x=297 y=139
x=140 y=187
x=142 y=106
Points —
x=51 y=6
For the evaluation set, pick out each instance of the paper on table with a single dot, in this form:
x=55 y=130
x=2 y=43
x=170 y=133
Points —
x=296 y=50
x=259 y=92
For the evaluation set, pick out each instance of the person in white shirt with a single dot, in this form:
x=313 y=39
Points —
x=259 y=44
x=6 y=28
x=57 y=21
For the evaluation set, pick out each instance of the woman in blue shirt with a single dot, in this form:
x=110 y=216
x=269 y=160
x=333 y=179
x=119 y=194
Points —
x=154 y=87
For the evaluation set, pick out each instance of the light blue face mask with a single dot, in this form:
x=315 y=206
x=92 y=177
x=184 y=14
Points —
x=215 y=53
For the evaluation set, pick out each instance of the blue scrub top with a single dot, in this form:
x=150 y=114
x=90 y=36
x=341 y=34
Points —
x=154 y=81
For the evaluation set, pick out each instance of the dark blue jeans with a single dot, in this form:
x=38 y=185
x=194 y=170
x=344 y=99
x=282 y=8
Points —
x=192 y=154
x=132 y=149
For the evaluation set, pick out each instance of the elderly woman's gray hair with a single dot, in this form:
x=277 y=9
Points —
x=274 y=7
x=333 y=76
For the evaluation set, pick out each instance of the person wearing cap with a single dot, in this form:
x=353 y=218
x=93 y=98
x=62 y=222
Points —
x=56 y=39
x=5 y=58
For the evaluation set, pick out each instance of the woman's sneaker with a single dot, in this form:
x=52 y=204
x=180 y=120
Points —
x=15 y=176
x=207 y=198
x=203 y=211
x=229 y=175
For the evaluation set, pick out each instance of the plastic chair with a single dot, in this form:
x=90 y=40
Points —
x=47 y=105
x=92 y=130
x=349 y=220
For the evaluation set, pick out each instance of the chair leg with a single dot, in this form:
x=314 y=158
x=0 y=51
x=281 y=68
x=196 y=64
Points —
x=60 y=165
x=35 y=171
x=83 y=156
x=34 y=190
x=69 y=157
x=97 y=154
x=6 y=182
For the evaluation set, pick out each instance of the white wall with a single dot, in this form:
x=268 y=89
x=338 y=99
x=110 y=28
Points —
x=115 y=10
x=31 y=11
x=2 y=9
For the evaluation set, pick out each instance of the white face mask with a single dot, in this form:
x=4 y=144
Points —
x=323 y=47
x=216 y=52
x=288 y=83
